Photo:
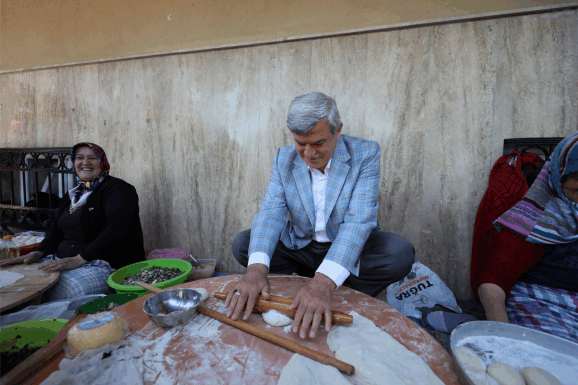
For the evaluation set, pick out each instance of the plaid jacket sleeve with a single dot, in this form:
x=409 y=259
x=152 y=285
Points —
x=354 y=215
x=271 y=219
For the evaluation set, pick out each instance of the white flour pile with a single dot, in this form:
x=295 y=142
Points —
x=519 y=354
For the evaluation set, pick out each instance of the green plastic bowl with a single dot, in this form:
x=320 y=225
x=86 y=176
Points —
x=116 y=278
x=98 y=304
x=35 y=333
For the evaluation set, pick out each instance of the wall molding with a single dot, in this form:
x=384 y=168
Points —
x=356 y=31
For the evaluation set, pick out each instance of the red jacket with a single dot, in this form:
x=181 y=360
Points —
x=501 y=258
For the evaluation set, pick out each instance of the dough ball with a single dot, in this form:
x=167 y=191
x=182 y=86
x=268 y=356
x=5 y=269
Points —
x=95 y=331
x=469 y=358
x=479 y=377
x=538 y=376
x=274 y=318
x=505 y=374
x=204 y=294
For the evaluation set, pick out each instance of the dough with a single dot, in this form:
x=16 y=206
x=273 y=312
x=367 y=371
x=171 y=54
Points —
x=95 y=331
x=469 y=359
x=110 y=364
x=479 y=377
x=504 y=374
x=8 y=278
x=274 y=318
x=301 y=370
x=377 y=357
x=204 y=294
x=538 y=376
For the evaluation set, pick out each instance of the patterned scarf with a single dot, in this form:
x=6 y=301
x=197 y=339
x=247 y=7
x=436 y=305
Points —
x=545 y=215
x=84 y=187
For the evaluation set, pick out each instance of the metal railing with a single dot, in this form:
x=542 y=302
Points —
x=32 y=181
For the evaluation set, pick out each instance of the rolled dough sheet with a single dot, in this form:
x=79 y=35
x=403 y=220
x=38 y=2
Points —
x=8 y=278
x=377 y=357
x=302 y=370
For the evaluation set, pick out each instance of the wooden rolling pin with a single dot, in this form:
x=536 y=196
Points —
x=282 y=304
x=280 y=341
x=272 y=338
x=41 y=357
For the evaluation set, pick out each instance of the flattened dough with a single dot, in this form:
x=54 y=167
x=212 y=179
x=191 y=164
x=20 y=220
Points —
x=377 y=357
x=505 y=374
x=274 y=318
x=469 y=359
x=538 y=376
x=8 y=278
x=301 y=370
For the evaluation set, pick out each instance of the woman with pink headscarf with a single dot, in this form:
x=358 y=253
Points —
x=96 y=231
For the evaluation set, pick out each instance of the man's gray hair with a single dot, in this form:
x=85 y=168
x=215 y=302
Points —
x=309 y=109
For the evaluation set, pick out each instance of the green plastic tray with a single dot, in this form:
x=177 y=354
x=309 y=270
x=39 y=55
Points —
x=98 y=304
x=36 y=333
x=116 y=278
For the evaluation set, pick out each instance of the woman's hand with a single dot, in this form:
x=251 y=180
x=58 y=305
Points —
x=63 y=264
x=28 y=258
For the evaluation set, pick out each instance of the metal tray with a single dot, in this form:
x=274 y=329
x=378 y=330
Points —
x=499 y=329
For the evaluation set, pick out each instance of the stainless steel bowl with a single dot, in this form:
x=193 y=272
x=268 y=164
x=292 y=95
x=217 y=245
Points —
x=172 y=307
x=515 y=332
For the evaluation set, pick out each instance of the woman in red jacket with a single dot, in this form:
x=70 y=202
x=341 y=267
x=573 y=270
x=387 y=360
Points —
x=531 y=279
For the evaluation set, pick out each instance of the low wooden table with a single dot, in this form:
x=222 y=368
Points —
x=30 y=287
x=207 y=351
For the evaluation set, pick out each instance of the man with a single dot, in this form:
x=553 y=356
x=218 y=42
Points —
x=328 y=183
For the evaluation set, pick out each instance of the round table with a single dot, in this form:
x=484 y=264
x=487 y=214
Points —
x=207 y=351
x=31 y=286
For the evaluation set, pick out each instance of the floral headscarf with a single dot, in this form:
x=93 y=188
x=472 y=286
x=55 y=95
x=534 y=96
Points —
x=87 y=186
x=545 y=215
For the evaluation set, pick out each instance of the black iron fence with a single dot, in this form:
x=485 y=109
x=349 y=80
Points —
x=32 y=181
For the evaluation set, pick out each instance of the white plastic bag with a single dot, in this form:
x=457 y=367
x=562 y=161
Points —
x=421 y=288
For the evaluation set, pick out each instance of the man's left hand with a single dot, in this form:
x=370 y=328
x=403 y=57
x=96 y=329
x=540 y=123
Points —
x=63 y=264
x=312 y=302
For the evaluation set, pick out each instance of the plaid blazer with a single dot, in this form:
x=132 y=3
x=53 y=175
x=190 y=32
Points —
x=350 y=202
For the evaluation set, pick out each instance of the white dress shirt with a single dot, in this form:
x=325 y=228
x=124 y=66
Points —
x=333 y=270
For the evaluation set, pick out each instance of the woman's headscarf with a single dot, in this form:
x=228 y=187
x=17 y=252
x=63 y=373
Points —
x=87 y=186
x=545 y=215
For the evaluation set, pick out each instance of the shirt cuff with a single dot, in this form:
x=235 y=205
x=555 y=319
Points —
x=259 y=257
x=334 y=271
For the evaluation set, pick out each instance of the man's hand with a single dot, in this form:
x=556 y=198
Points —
x=312 y=302
x=63 y=264
x=248 y=288
x=28 y=258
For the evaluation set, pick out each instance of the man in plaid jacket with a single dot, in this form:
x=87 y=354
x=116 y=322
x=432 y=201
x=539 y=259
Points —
x=328 y=184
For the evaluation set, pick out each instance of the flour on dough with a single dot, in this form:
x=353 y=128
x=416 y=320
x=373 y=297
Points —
x=8 y=278
x=538 y=376
x=377 y=357
x=469 y=358
x=274 y=318
x=301 y=370
x=505 y=374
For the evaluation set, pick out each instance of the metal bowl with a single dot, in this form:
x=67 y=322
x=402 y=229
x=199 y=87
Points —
x=172 y=307
x=515 y=332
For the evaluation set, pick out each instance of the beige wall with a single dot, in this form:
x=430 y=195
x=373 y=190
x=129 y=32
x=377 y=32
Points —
x=39 y=33
x=196 y=133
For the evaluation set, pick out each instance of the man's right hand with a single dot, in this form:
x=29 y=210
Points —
x=248 y=288
x=28 y=258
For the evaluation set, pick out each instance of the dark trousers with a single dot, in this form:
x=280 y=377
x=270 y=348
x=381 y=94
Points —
x=385 y=258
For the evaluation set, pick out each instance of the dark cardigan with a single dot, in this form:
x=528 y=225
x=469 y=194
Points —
x=110 y=225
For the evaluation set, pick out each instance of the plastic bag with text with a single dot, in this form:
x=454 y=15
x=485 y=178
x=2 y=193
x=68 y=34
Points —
x=421 y=288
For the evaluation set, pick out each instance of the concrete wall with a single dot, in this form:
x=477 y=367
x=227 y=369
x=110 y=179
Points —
x=39 y=33
x=196 y=133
